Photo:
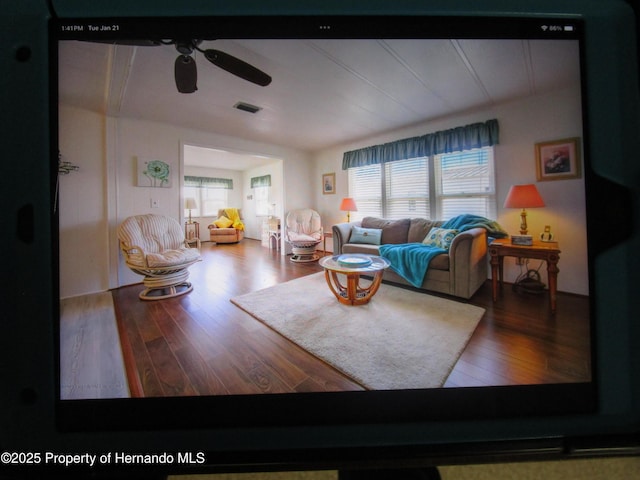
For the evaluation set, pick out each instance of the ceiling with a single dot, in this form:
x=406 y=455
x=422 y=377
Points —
x=323 y=93
x=198 y=156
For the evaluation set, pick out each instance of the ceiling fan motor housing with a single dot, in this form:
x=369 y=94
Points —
x=186 y=74
x=186 y=47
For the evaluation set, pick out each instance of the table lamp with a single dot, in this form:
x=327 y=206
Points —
x=190 y=204
x=523 y=196
x=348 y=205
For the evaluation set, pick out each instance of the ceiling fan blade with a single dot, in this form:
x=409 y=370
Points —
x=186 y=74
x=237 y=67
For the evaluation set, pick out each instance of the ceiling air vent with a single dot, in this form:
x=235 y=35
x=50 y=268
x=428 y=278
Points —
x=247 y=107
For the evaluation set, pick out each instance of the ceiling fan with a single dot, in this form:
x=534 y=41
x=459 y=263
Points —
x=185 y=70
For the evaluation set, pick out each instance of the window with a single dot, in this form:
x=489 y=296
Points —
x=407 y=188
x=364 y=187
x=261 y=187
x=465 y=183
x=211 y=194
x=262 y=200
x=438 y=187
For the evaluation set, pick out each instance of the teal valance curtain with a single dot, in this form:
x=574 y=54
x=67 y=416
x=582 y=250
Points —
x=263 y=181
x=208 y=182
x=457 y=139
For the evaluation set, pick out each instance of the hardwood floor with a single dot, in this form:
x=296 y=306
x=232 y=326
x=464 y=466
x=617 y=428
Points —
x=519 y=342
x=88 y=332
x=202 y=344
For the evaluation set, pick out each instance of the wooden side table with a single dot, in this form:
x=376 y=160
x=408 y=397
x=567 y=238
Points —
x=547 y=251
x=191 y=232
x=275 y=235
x=326 y=235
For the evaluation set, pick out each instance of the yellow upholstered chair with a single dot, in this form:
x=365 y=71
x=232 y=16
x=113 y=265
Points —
x=228 y=227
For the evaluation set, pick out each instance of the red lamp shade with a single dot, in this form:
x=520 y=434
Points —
x=523 y=196
x=348 y=205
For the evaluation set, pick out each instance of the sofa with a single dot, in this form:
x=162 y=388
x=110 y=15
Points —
x=225 y=229
x=458 y=270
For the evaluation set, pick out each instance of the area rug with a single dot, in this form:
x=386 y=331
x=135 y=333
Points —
x=401 y=339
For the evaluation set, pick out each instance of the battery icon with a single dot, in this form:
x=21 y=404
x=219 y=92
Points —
x=568 y=28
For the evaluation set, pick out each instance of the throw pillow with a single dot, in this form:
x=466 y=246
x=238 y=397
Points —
x=440 y=237
x=371 y=236
x=223 y=222
x=393 y=231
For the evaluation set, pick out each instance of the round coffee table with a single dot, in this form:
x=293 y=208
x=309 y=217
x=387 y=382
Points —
x=352 y=266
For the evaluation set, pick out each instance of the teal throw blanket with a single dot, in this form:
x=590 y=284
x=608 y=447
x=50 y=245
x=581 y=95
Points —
x=410 y=260
x=468 y=221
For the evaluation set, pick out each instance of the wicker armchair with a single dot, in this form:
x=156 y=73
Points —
x=154 y=246
x=304 y=233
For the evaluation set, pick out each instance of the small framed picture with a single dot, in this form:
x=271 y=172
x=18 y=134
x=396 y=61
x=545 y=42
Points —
x=328 y=183
x=558 y=160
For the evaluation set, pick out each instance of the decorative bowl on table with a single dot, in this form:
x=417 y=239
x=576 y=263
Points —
x=354 y=261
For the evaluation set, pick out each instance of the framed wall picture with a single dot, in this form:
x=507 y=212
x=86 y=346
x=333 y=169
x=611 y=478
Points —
x=558 y=160
x=328 y=183
x=153 y=173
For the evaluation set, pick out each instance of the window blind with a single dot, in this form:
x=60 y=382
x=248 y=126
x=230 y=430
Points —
x=407 y=188
x=365 y=187
x=465 y=183
x=439 y=187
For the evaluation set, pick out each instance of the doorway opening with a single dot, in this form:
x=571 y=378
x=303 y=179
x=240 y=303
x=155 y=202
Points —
x=227 y=179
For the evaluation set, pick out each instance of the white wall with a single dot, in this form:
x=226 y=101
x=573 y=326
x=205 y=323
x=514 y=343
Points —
x=545 y=118
x=522 y=125
x=82 y=207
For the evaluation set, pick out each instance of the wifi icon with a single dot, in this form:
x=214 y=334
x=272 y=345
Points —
x=544 y=28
